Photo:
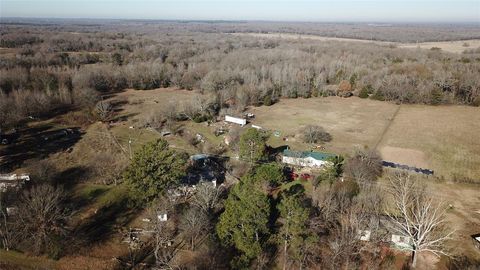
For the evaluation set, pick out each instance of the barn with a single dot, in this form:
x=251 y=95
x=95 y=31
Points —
x=307 y=159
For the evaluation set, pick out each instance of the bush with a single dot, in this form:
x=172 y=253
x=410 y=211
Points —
x=365 y=91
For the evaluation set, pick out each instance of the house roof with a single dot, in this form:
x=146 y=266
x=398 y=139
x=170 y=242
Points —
x=305 y=154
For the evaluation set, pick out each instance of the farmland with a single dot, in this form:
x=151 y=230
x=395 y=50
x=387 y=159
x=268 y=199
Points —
x=421 y=130
x=456 y=46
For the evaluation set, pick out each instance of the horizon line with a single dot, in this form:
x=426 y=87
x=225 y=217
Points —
x=474 y=22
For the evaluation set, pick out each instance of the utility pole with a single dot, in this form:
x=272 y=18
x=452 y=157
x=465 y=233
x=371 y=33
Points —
x=130 y=146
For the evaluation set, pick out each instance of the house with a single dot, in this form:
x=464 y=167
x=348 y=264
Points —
x=236 y=120
x=401 y=242
x=307 y=159
x=476 y=240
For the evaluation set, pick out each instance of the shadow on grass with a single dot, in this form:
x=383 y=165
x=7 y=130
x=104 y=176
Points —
x=112 y=214
x=37 y=142
x=70 y=177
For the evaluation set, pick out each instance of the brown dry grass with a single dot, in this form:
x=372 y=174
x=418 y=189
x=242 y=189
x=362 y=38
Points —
x=442 y=138
x=449 y=137
x=352 y=122
x=456 y=46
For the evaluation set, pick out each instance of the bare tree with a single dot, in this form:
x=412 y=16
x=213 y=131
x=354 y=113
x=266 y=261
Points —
x=104 y=110
x=194 y=224
x=207 y=197
x=315 y=134
x=162 y=230
x=41 y=217
x=417 y=216
x=6 y=234
x=364 y=166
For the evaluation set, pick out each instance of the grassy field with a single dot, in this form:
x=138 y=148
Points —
x=447 y=136
x=457 y=46
x=442 y=138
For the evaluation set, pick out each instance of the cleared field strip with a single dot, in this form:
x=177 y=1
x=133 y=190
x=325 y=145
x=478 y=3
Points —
x=457 y=46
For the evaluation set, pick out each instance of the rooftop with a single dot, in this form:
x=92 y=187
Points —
x=305 y=154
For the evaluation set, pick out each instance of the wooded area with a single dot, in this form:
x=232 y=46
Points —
x=183 y=189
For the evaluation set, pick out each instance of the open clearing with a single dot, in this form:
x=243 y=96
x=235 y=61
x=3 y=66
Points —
x=442 y=138
x=457 y=46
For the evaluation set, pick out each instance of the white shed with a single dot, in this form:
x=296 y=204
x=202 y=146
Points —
x=162 y=217
x=364 y=235
x=236 y=120
x=401 y=242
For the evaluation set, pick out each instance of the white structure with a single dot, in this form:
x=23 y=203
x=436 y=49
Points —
x=401 y=242
x=162 y=217
x=14 y=177
x=476 y=240
x=256 y=127
x=12 y=181
x=364 y=235
x=307 y=159
x=11 y=210
x=235 y=120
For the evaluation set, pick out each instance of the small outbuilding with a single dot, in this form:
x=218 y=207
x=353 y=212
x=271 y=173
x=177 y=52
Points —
x=236 y=120
x=364 y=235
x=401 y=242
x=307 y=159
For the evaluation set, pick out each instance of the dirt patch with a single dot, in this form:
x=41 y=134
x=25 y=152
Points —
x=405 y=156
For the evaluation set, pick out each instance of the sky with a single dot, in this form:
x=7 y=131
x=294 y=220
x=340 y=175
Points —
x=269 y=10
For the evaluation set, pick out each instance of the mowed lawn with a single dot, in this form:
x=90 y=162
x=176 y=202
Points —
x=448 y=137
x=443 y=138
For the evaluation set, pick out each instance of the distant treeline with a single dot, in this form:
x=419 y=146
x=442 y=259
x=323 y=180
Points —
x=46 y=66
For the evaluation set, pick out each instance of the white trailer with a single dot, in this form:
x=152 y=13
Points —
x=236 y=120
x=14 y=177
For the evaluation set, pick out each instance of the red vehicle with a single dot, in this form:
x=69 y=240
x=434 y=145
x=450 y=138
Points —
x=305 y=176
x=293 y=176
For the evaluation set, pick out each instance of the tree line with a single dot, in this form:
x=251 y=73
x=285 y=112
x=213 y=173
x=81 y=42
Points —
x=56 y=65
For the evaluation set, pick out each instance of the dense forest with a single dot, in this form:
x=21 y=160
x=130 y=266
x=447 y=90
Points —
x=52 y=65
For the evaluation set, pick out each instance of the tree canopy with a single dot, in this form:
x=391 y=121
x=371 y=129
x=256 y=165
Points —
x=252 y=145
x=244 y=223
x=154 y=168
x=293 y=234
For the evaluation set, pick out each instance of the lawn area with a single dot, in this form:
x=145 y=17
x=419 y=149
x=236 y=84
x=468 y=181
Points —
x=16 y=260
x=442 y=138
x=446 y=137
